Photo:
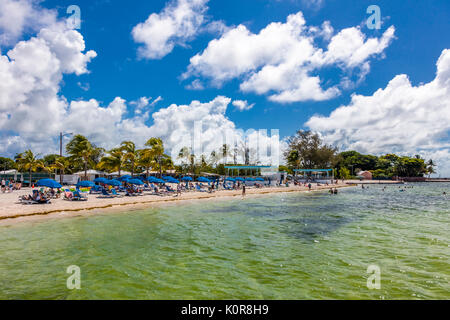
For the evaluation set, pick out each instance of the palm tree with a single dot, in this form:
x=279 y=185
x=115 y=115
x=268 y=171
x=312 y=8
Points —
x=146 y=160
x=156 y=151
x=130 y=154
x=80 y=149
x=430 y=167
x=27 y=161
x=115 y=161
x=62 y=164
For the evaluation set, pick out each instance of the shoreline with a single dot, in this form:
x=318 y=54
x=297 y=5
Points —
x=63 y=208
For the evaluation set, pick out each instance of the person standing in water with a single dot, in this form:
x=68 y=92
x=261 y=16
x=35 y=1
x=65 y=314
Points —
x=243 y=190
x=309 y=186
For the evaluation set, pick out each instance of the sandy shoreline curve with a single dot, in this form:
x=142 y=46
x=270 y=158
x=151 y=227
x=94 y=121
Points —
x=11 y=210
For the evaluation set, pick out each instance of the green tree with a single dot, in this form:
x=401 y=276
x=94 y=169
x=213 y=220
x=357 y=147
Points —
x=344 y=173
x=28 y=162
x=307 y=151
x=81 y=150
x=156 y=152
x=6 y=163
x=130 y=155
x=114 y=161
x=63 y=165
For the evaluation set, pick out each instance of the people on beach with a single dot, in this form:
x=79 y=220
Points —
x=309 y=186
x=243 y=190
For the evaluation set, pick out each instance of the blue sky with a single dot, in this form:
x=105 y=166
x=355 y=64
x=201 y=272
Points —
x=106 y=27
x=421 y=35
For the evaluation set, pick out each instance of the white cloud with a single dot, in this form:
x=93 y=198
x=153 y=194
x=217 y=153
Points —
x=400 y=118
x=242 y=105
x=282 y=60
x=195 y=85
x=19 y=16
x=178 y=23
x=158 y=99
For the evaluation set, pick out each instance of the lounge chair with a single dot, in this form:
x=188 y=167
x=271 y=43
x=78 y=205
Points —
x=77 y=196
x=105 y=195
x=199 y=189
x=114 y=193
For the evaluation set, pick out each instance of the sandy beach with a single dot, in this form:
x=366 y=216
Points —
x=11 y=209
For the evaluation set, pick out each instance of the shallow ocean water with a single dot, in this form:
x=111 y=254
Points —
x=283 y=246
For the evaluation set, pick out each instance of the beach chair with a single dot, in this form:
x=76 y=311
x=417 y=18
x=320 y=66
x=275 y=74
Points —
x=68 y=195
x=197 y=187
x=105 y=195
x=115 y=194
x=78 y=196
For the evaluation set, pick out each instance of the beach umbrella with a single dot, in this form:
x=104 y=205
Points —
x=85 y=184
x=152 y=179
x=230 y=179
x=203 y=179
x=239 y=179
x=171 y=179
x=159 y=181
x=100 y=180
x=49 y=183
x=187 y=178
x=114 y=183
x=125 y=177
x=249 y=179
x=259 y=179
x=135 y=181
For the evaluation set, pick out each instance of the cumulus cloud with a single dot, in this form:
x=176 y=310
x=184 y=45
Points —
x=19 y=16
x=283 y=59
x=242 y=105
x=33 y=111
x=178 y=23
x=400 y=118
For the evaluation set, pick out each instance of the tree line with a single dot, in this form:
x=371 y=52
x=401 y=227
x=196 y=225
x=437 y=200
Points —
x=83 y=155
x=306 y=150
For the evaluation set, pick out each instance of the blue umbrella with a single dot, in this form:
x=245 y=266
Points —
x=125 y=177
x=203 y=179
x=49 y=183
x=259 y=179
x=187 y=178
x=159 y=181
x=152 y=179
x=249 y=179
x=100 y=180
x=85 y=184
x=114 y=183
x=135 y=181
x=171 y=179
x=239 y=179
x=230 y=179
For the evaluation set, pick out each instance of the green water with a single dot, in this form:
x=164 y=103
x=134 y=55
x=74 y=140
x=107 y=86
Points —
x=284 y=246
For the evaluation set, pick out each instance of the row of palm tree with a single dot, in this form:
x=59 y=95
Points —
x=83 y=155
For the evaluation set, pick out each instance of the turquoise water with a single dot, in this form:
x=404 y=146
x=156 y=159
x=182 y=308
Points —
x=283 y=246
